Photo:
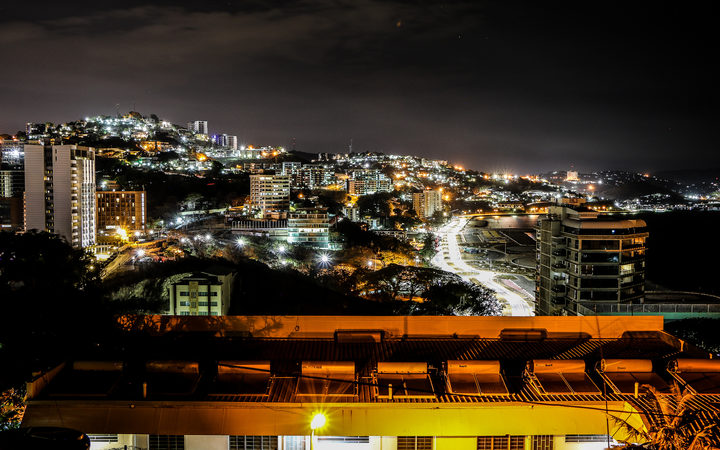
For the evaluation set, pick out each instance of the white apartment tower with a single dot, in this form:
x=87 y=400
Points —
x=60 y=192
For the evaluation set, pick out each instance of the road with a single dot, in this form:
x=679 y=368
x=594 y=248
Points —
x=514 y=304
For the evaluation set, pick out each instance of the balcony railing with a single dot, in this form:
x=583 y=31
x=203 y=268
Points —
x=653 y=308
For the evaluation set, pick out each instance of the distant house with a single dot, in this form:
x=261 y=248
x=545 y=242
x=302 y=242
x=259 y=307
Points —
x=202 y=293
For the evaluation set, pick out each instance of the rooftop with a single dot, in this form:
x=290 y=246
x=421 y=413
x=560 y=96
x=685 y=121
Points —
x=239 y=363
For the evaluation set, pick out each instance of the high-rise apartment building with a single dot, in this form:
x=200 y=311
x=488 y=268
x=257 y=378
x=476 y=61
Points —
x=270 y=193
x=199 y=127
x=125 y=210
x=427 y=203
x=60 y=191
x=584 y=260
x=309 y=226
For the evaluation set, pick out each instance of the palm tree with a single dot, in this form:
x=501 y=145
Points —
x=676 y=421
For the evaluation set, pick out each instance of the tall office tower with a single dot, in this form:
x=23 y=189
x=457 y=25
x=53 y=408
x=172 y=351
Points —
x=427 y=203
x=126 y=210
x=199 y=127
x=60 y=191
x=584 y=260
x=270 y=193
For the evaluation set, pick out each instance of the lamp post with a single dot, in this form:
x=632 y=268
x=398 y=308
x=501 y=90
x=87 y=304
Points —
x=317 y=422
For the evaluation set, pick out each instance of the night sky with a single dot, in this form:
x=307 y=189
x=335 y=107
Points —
x=521 y=86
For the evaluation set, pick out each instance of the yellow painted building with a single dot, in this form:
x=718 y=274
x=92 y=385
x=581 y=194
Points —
x=385 y=383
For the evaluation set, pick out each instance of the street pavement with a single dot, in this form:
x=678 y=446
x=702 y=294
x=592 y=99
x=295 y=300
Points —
x=513 y=303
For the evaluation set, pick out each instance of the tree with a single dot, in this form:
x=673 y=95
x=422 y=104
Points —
x=43 y=274
x=428 y=250
x=12 y=408
x=674 y=423
x=377 y=205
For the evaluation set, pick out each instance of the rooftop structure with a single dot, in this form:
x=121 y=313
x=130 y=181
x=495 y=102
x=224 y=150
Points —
x=455 y=382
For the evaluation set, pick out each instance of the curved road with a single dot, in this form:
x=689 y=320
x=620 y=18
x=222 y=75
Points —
x=515 y=304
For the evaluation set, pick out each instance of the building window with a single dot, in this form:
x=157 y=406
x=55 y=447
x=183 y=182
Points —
x=414 y=443
x=330 y=440
x=202 y=303
x=542 y=442
x=501 y=442
x=202 y=294
x=184 y=313
x=294 y=442
x=213 y=294
x=166 y=442
x=184 y=303
x=253 y=443
x=587 y=438
x=183 y=293
x=103 y=437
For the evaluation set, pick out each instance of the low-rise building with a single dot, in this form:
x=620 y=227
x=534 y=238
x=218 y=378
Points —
x=202 y=294
x=383 y=382
x=309 y=226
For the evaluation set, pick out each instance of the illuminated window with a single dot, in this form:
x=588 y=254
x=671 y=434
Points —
x=414 y=443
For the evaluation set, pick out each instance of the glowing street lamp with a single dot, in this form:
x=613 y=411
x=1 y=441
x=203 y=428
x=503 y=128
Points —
x=324 y=260
x=318 y=421
x=240 y=242
x=282 y=249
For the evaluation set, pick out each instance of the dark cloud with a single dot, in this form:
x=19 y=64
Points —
x=491 y=85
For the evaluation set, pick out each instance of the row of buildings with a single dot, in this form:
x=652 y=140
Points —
x=52 y=188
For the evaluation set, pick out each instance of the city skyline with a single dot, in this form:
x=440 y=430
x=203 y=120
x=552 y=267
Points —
x=493 y=87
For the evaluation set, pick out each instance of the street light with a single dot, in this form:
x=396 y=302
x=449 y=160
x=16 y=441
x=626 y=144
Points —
x=240 y=242
x=324 y=260
x=318 y=421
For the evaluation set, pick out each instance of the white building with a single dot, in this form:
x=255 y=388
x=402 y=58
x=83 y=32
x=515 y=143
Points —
x=60 y=192
x=426 y=203
x=309 y=226
x=231 y=141
x=202 y=294
x=199 y=127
